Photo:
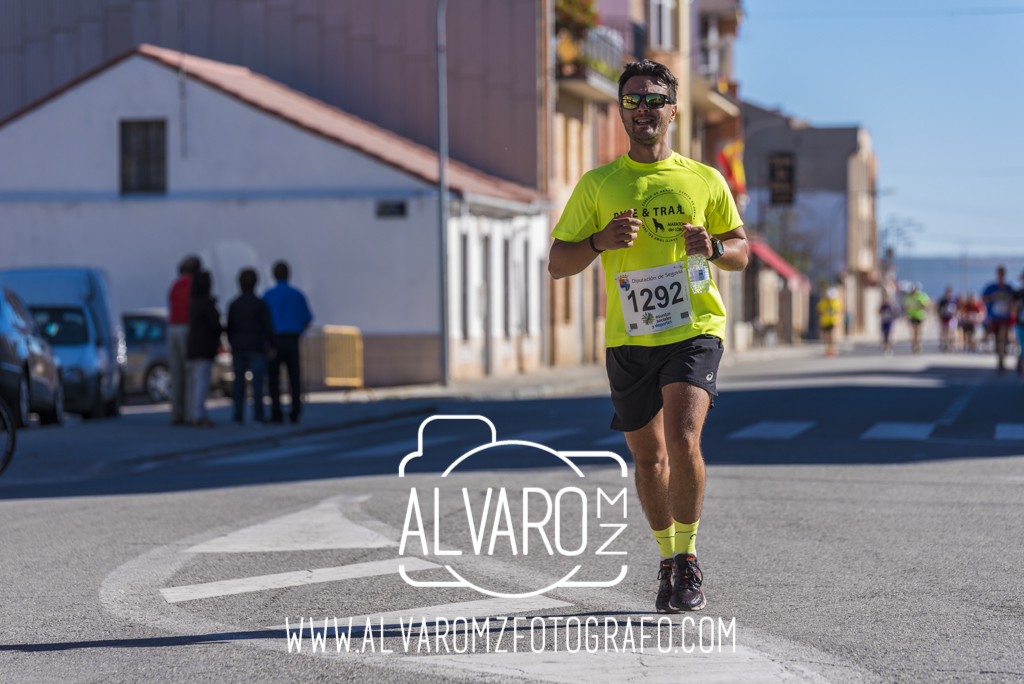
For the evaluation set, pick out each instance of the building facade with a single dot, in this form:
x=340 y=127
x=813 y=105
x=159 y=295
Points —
x=812 y=196
x=159 y=154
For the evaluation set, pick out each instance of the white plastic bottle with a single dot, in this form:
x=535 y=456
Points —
x=700 y=274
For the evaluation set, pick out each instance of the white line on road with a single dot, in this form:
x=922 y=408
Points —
x=915 y=431
x=320 y=527
x=1010 y=431
x=774 y=429
x=292 y=579
x=450 y=611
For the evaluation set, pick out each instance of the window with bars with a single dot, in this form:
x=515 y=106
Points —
x=143 y=157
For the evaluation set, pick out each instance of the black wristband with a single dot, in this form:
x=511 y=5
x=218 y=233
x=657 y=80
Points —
x=593 y=247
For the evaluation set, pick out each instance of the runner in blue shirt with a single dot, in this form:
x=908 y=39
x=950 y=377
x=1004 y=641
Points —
x=998 y=298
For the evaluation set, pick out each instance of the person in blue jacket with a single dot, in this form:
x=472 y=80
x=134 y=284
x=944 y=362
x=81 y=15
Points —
x=291 y=316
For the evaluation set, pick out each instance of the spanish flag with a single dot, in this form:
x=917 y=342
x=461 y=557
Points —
x=730 y=161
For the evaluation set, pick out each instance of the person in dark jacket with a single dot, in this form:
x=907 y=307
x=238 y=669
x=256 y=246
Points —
x=291 y=317
x=204 y=331
x=251 y=335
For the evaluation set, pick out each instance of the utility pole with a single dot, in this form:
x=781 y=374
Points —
x=442 y=180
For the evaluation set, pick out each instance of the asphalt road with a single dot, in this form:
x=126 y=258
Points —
x=863 y=522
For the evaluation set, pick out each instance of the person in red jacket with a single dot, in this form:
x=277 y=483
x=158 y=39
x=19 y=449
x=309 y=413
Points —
x=177 y=338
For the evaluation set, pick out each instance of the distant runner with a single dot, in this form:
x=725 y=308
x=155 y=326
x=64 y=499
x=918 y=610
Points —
x=998 y=298
x=830 y=312
x=973 y=315
x=887 y=314
x=1018 y=298
x=644 y=213
x=916 y=306
x=946 y=309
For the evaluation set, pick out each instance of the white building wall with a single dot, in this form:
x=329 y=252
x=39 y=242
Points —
x=378 y=274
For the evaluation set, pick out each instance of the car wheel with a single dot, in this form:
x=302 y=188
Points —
x=56 y=415
x=158 y=383
x=21 y=409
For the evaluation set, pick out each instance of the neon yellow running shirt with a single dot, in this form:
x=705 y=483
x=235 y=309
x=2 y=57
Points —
x=664 y=195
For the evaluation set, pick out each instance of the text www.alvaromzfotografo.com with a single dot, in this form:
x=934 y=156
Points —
x=505 y=634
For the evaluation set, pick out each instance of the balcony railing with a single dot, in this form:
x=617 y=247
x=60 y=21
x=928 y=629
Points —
x=601 y=51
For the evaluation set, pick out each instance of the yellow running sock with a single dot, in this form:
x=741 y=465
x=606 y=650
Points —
x=686 y=537
x=666 y=539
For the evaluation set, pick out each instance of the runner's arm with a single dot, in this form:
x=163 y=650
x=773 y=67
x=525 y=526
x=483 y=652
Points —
x=569 y=258
x=698 y=241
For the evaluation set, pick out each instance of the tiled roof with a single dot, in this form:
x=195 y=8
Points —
x=323 y=119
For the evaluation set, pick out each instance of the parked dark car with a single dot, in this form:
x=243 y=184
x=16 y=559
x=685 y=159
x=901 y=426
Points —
x=147 y=369
x=30 y=373
x=71 y=307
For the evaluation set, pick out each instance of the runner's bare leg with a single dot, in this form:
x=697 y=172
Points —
x=650 y=457
x=686 y=407
x=675 y=493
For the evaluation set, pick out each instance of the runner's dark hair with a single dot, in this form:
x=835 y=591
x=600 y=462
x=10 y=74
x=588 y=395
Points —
x=658 y=72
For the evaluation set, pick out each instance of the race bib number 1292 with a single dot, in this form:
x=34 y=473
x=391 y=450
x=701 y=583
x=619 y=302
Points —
x=655 y=299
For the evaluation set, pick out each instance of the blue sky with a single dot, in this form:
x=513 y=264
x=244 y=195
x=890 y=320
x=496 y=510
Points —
x=938 y=83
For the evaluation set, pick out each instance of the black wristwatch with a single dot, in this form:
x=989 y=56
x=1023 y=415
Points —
x=717 y=249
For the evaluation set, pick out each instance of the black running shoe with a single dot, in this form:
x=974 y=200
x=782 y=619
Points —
x=686 y=580
x=664 y=586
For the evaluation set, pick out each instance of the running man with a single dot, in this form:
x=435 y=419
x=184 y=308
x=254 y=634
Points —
x=830 y=311
x=1018 y=299
x=998 y=298
x=973 y=315
x=887 y=314
x=946 y=309
x=916 y=305
x=644 y=213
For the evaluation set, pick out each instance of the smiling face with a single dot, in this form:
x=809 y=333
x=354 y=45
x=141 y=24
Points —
x=644 y=125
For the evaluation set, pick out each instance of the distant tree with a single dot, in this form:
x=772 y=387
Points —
x=576 y=17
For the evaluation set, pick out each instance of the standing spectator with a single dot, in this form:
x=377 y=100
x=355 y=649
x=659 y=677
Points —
x=947 y=320
x=291 y=316
x=251 y=335
x=177 y=338
x=915 y=304
x=204 y=331
x=998 y=298
x=830 y=310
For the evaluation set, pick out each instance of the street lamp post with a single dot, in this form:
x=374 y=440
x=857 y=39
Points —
x=442 y=168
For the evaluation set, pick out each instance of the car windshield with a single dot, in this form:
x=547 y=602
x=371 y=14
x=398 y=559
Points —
x=60 y=325
x=140 y=329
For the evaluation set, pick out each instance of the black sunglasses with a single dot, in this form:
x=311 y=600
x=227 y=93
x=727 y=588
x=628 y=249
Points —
x=653 y=100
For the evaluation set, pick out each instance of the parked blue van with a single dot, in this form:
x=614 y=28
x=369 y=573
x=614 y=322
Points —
x=71 y=307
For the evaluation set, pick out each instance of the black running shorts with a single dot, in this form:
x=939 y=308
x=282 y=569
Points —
x=637 y=374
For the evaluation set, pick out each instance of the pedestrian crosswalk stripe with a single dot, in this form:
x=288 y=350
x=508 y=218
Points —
x=774 y=429
x=282 y=580
x=450 y=611
x=912 y=431
x=1010 y=431
x=320 y=527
